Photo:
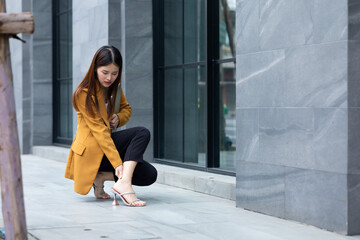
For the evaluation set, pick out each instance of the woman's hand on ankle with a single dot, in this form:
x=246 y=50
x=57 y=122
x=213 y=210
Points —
x=119 y=171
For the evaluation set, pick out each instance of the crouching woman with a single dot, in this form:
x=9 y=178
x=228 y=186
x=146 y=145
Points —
x=96 y=154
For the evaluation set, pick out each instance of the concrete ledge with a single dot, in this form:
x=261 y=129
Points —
x=51 y=152
x=208 y=183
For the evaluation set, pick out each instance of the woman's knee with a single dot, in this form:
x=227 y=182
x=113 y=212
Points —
x=146 y=177
x=145 y=133
x=153 y=176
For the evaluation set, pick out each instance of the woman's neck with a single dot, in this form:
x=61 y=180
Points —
x=105 y=92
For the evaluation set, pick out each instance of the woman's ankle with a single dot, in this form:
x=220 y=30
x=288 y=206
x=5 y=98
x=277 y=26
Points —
x=123 y=181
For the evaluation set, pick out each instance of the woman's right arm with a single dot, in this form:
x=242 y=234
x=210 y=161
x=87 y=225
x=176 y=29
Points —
x=100 y=131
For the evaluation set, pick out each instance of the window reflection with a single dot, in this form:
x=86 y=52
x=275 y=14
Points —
x=227 y=116
x=227 y=28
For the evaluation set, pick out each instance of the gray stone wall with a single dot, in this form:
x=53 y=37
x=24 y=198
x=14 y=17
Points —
x=42 y=73
x=297 y=125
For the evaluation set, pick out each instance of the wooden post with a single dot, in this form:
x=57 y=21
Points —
x=10 y=164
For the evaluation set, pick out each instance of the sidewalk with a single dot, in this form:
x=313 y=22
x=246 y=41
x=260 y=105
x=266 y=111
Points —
x=55 y=212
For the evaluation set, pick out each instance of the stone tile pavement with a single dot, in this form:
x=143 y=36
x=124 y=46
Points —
x=55 y=212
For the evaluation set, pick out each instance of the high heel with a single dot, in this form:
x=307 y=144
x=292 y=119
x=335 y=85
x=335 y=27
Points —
x=115 y=202
x=121 y=195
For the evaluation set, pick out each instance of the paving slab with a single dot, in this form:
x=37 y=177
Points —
x=54 y=212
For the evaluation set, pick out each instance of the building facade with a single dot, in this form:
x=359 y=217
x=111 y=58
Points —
x=266 y=91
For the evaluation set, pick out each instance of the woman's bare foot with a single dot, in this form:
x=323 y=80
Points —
x=101 y=177
x=123 y=186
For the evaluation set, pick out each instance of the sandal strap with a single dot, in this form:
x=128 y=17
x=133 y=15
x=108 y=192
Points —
x=126 y=193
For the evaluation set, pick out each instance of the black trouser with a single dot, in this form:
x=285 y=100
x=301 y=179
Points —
x=131 y=144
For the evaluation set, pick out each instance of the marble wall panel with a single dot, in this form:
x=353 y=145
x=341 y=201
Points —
x=98 y=22
x=354 y=206
x=261 y=188
x=139 y=54
x=247 y=135
x=139 y=87
x=330 y=20
x=286 y=136
x=354 y=19
x=330 y=143
x=261 y=79
x=81 y=30
x=317 y=198
x=42 y=6
x=285 y=24
x=79 y=5
x=42 y=124
x=41 y=70
x=42 y=92
x=353 y=73
x=42 y=21
x=42 y=59
x=140 y=12
x=316 y=75
x=353 y=163
x=247 y=26
x=116 y=43
x=114 y=21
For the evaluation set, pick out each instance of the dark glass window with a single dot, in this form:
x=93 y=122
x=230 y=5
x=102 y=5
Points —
x=225 y=65
x=194 y=83
x=62 y=71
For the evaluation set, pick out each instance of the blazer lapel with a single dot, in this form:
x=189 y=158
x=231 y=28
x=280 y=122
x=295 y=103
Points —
x=103 y=110
x=102 y=107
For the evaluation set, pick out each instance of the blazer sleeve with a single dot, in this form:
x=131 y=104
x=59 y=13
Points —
x=125 y=110
x=100 y=131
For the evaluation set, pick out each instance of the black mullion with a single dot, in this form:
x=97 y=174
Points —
x=54 y=50
x=158 y=90
x=183 y=81
x=213 y=85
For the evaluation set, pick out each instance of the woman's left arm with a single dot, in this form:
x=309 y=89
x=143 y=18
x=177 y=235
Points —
x=125 y=110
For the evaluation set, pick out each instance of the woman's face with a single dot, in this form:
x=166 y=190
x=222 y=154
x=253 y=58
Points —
x=107 y=74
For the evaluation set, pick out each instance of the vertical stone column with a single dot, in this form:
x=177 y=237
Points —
x=353 y=178
x=41 y=68
x=137 y=50
x=297 y=129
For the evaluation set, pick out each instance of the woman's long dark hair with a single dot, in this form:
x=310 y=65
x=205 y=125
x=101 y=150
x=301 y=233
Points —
x=104 y=56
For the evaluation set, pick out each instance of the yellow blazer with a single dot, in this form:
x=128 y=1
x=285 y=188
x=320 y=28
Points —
x=92 y=141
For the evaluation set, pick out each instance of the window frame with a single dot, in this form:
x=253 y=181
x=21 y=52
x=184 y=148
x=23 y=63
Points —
x=58 y=140
x=213 y=86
